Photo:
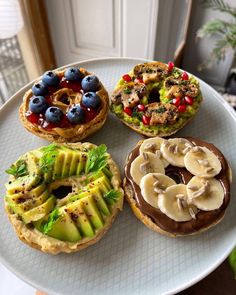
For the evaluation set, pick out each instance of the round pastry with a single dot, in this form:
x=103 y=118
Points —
x=65 y=106
x=179 y=186
x=63 y=198
x=156 y=99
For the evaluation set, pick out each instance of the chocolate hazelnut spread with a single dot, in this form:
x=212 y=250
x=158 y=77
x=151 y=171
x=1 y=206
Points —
x=203 y=218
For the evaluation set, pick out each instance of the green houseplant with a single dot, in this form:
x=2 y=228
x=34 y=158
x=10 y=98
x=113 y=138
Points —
x=224 y=30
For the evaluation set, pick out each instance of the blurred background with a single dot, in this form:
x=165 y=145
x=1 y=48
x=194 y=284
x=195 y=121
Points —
x=37 y=35
x=198 y=36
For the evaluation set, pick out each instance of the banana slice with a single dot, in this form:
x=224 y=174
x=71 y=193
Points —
x=153 y=184
x=202 y=162
x=175 y=149
x=173 y=203
x=153 y=145
x=144 y=164
x=205 y=194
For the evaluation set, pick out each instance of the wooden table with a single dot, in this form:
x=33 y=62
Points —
x=220 y=282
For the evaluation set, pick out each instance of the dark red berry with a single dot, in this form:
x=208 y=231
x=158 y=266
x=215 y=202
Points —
x=182 y=108
x=32 y=117
x=127 y=78
x=128 y=111
x=189 y=100
x=184 y=76
x=146 y=120
x=141 y=107
x=170 y=66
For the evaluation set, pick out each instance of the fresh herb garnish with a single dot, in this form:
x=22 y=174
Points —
x=137 y=114
x=49 y=156
x=112 y=195
x=47 y=226
x=18 y=169
x=97 y=159
x=160 y=110
x=127 y=90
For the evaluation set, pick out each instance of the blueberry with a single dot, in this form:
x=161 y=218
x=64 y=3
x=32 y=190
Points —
x=53 y=115
x=38 y=104
x=91 y=100
x=76 y=114
x=40 y=88
x=90 y=83
x=50 y=78
x=73 y=74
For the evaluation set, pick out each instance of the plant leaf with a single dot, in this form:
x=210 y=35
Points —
x=54 y=215
x=18 y=169
x=221 y=6
x=97 y=159
x=48 y=157
x=112 y=196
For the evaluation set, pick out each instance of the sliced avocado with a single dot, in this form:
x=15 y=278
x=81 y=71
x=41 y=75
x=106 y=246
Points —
x=32 y=164
x=103 y=183
x=82 y=163
x=81 y=219
x=20 y=208
x=98 y=198
x=16 y=198
x=67 y=163
x=107 y=172
x=64 y=229
x=13 y=206
x=74 y=163
x=22 y=183
x=20 y=197
x=58 y=166
x=37 y=191
x=48 y=176
x=40 y=211
x=92 y=211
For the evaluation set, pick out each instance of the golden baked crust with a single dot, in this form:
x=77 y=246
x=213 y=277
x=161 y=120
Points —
x=129 y=196
x=44 y=243
x=77 y=132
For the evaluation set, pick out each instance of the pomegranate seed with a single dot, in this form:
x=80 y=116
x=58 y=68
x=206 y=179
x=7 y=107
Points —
x=170 y=66
x=145 y=120
x=176 y=101
x=184 y=76
x=141 y=107
x=128 y=111
x=127 y=78
x=189 y=100
x=140 y=80
x=182 y=108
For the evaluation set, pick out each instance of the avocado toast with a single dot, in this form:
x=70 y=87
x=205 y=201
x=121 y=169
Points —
x=156 y=99
x=63 y=197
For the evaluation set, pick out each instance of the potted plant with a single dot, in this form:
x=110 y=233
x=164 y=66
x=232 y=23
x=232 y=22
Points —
x=226 y=41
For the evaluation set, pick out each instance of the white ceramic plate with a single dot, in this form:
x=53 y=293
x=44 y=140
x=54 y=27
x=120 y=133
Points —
x=130 y=259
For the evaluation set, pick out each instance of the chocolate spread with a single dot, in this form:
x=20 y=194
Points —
x=203 y=218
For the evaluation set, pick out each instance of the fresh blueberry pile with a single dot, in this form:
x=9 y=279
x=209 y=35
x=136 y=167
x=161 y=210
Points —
x=50 y=81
